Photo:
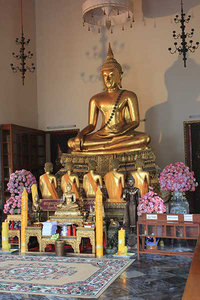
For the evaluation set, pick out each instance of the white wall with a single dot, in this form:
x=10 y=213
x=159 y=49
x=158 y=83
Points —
x=18 y=104
x=69 y=59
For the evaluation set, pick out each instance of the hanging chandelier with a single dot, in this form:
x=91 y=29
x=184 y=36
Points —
x=22 y=56
x=107 y=13
x=185 y=45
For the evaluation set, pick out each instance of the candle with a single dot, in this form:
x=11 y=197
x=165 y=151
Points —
x=5 y=244
x=24 y=219
x=121 y=242
x=74 y=230
x=99 y=224
x=34 y=192
x=69 y=230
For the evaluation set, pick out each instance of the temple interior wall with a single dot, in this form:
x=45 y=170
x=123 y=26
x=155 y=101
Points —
x=18 y=103
x=68 y=61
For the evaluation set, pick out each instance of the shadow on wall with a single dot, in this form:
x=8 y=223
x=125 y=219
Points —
x=164 y=122
x=161 y=8
x=100 y=52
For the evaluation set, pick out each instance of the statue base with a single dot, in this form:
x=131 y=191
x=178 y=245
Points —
x=114 y=210
x=63 y=212
x=127 y=164
x=114 y=200
x=127 y=161
x=78 y=220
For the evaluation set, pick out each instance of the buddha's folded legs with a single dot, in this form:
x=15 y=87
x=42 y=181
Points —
x=136 y=140
x=133 y=140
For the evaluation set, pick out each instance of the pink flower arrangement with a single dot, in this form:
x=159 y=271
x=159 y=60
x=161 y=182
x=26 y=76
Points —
x=151 y=203
x=18 y=181
x=177 y=177
x=13 y=205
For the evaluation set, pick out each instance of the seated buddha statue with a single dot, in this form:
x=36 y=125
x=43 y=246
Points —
x=91 y=180
x=114 y=181
x=69 y=177
x=48 y=183
x=142 y=178
x=68 y=206
x=120 y=117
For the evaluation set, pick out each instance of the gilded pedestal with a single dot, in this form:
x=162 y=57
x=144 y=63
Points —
x=127 y=164
x=78 y=220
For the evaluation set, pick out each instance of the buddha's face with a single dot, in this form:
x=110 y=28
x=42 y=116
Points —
x=111 y=78
x=68 y=188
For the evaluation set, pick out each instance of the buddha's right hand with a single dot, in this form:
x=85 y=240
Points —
x=78 y=141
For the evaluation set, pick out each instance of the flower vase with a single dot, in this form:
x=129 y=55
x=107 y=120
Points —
x=179 y=204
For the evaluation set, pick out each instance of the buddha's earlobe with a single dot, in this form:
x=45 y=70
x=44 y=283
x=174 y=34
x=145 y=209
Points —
x=120 y=81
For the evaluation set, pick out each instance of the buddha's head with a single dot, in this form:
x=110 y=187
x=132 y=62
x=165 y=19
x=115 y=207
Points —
x=139 y=163
x=68 y=166
x=92 y=165
x=115 y=163
x=68 y=188
x=130 y=180
x=111 y=71
x=48 y=167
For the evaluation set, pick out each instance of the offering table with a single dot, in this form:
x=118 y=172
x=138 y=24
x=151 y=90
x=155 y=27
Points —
x=73 y=241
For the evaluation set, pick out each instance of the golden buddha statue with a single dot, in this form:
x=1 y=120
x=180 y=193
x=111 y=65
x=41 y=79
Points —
x=120 y=117
x=91 y=180
x=70 y=178
x=68 y=206
x=48 y=183
x=142 y=178
x=114 y=182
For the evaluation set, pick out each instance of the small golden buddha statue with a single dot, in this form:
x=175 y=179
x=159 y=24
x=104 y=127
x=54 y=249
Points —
x=142 y=178
x=114 y=182
x=120 y=117
x=68 y=206
x=48 y=183
x=69 y=177
x=91 y=180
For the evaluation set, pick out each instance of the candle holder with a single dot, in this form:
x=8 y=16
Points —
x=185 y=46
x=22 y=56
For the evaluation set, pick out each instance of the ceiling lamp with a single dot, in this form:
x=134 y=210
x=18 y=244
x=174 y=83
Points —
x=107 y=13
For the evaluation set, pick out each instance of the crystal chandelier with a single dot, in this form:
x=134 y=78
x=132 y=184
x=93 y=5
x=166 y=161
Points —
x=107 y=13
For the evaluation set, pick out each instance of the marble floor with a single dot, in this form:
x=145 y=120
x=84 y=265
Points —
x=153 y=277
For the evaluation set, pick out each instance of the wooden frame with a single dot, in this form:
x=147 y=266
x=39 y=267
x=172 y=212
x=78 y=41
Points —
x=166 y=226
x=192 y=159
x=56 y=147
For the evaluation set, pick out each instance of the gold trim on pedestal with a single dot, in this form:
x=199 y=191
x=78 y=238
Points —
x=83 y=232
x=126 y=159
x=33 y=231
x=115 y=204
x=78 y=220
x=13 y=233
x=15 y=218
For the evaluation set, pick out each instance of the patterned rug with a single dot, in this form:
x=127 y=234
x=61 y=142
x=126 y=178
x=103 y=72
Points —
x=59 y=276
